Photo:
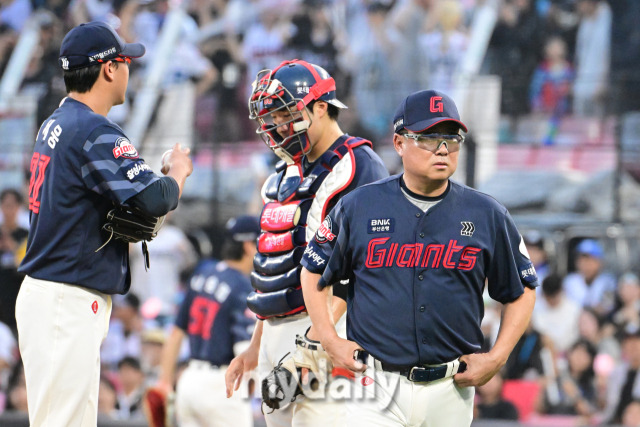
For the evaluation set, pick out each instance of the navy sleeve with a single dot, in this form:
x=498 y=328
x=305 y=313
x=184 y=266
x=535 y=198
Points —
x=111 y=165
x=327 y=252
x=511 y=269
x=159 y=198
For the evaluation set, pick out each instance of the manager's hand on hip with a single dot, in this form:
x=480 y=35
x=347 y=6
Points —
x=342 y=354
x=481 y=367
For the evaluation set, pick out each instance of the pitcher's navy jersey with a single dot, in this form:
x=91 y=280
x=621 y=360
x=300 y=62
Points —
x=418 y=278
x=82 y=165
x=214 y=312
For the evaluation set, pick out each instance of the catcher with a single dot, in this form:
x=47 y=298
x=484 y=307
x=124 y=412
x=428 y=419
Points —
x=82 y=166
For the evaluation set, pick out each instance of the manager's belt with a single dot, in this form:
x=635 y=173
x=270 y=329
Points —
x=419 y=374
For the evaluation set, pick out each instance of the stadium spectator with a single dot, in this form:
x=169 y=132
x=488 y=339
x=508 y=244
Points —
x=125 y=331
x=107 y=400
x=626 y=317
x=15 y=13
x=575 y=384
x=373 y=57
x=590 y=328
x=525 y=361
x=17 y=390
x=514 y=51
x=132 y=389
x=13 y=239
x=589 y=285
x=534 y=242
x=592 y=57
x=625 y=56
x=555 y=315
x=445 y=46
x=624 y=382
x=491 y=405
x=551 y=85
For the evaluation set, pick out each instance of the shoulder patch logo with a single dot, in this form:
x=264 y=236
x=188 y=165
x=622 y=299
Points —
x=124 y=149
x=380 y=225
x=467 y=228
x=324 y=233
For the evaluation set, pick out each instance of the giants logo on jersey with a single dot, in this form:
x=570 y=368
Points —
x=382 y=253
x=324 y=233
x=124 y=149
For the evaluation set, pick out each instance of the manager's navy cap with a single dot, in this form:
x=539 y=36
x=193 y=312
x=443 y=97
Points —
x=88 y=44
x=243 y=228
x=421 y=110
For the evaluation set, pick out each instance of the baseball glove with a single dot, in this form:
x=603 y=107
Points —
x=282 y=385
x=132 y=225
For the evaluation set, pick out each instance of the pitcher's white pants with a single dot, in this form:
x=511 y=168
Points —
x=60 y=330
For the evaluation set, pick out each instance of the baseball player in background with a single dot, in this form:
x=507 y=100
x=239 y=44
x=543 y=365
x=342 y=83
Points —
x=420 y=248
x=296 y=108
x=214 y=316
x=82 y=166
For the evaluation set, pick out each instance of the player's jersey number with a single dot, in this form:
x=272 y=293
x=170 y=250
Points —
x=202 y=314
x=39 y=163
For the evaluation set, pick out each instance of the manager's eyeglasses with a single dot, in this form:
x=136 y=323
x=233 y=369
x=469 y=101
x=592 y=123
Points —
x=433 y=141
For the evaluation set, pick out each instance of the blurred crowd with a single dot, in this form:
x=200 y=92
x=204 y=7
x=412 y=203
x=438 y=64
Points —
x=554 y=57
x=581 y=354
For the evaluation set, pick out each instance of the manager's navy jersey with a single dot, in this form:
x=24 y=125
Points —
x=82 y=165
x=418 y=278
x=214 y=312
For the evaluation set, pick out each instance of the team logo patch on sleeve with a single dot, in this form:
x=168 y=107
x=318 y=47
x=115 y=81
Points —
x=381 y=225
x=325 y=233
x=528 y=273
x=124 y=149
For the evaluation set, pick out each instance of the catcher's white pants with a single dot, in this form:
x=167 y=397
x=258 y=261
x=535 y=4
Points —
x=278 y=339
x=201 y=400
x=388 y=399
x=60 y=329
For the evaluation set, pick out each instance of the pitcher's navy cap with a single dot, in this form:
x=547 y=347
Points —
x=421 y=110
x=94 y=42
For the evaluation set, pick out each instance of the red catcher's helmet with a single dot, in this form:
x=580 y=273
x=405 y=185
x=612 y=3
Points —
x=289 y=87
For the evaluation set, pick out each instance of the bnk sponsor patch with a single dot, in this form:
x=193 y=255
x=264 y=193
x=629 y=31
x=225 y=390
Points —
x=381 y=225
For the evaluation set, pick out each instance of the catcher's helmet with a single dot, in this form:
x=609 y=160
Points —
x=290 y=87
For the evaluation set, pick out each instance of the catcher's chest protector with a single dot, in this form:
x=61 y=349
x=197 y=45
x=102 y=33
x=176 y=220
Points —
x=296 y=202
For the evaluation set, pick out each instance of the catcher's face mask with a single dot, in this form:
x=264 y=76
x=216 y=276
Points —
x=278 y=100
x=282 y=126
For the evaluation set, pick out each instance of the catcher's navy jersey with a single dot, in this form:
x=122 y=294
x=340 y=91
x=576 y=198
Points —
x=214 y=313
x=82 y=165
x=418 y=278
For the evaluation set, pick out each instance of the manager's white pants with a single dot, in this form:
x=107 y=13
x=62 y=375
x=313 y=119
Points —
x=60 y=329
x=278 y=339
x=201 y=399
x=388 y=399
